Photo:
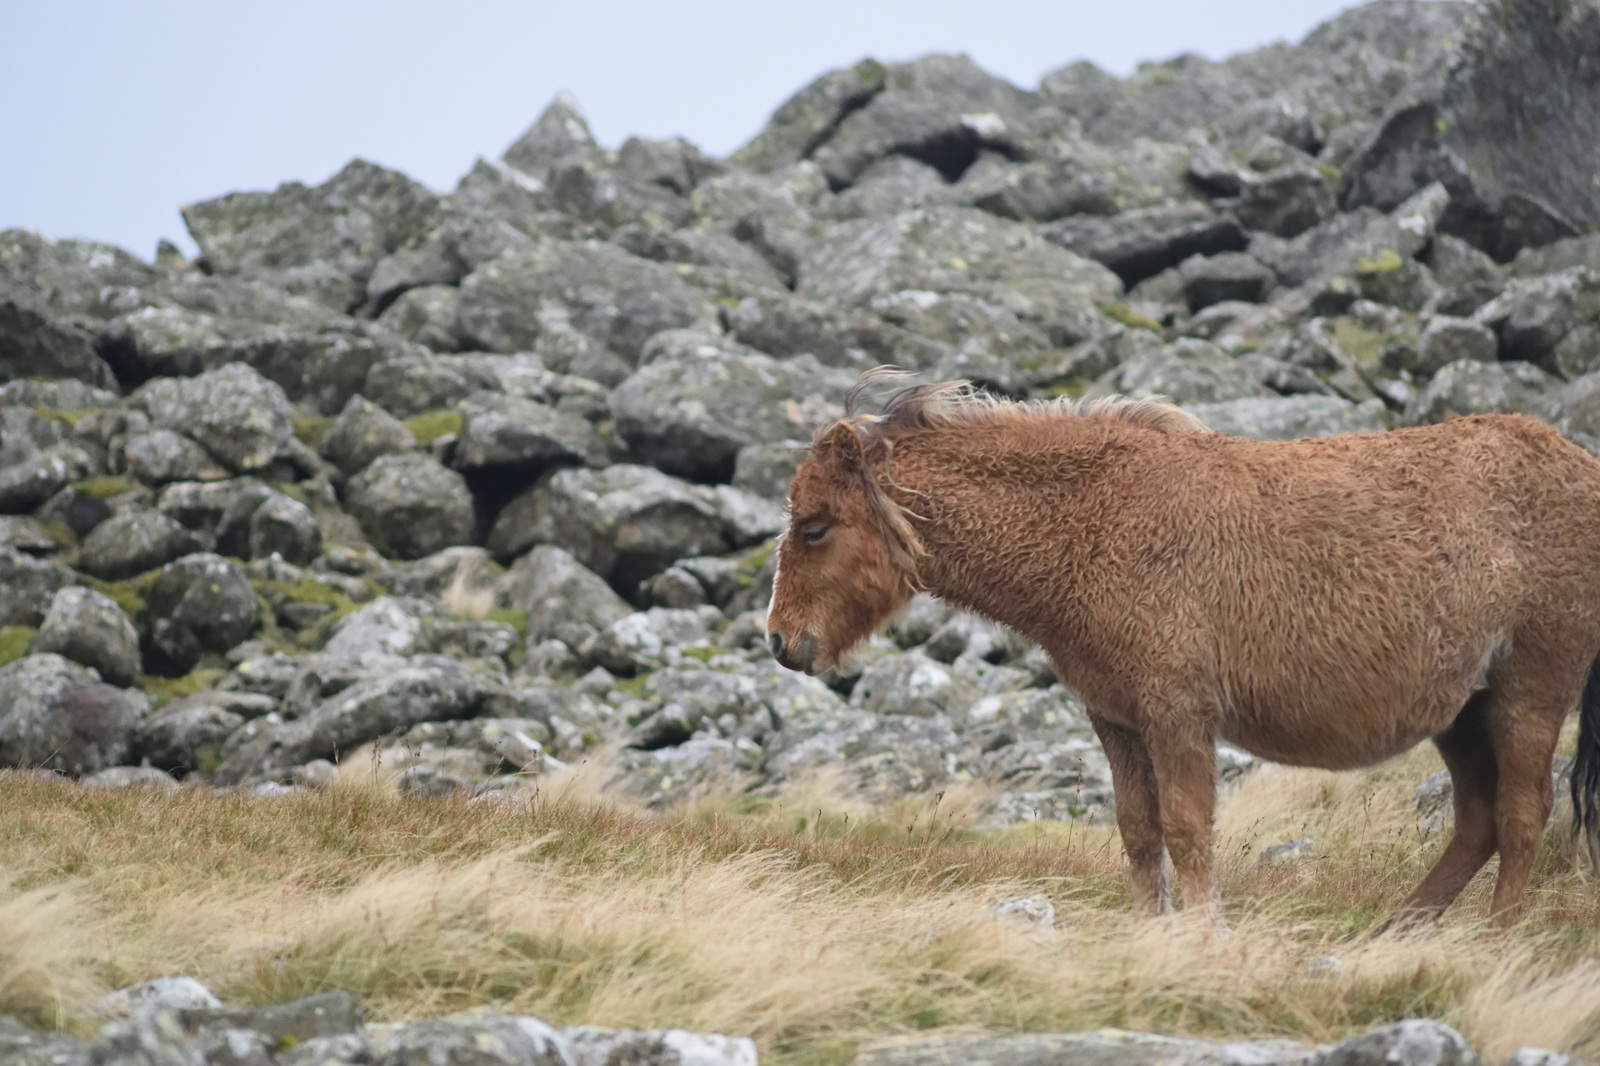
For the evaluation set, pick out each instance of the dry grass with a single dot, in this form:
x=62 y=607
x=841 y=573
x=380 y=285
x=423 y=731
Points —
x=815 y=923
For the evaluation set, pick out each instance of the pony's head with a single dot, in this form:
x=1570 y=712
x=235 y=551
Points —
x=847 y=559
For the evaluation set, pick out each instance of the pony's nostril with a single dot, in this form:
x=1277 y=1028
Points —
x=777 y=641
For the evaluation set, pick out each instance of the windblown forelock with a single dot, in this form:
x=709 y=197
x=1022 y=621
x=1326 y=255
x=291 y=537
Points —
x=893 y=519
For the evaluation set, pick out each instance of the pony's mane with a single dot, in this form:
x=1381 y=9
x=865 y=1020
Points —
x=957 y=404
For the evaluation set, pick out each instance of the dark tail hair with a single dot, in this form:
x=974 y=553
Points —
x=1586 y=770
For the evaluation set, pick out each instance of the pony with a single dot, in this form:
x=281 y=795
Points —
x=1327 y=602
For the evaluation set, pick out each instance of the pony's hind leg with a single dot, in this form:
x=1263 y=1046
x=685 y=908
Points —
x=1469 y=755
x=1524 y=726
x=1138 y=814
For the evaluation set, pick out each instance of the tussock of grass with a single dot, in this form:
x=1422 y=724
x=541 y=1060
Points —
x=15 y=642
x=811 y=920
x=163 y=690
x=431 y=425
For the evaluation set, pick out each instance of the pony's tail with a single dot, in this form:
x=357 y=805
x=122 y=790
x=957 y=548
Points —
x=1586 y=771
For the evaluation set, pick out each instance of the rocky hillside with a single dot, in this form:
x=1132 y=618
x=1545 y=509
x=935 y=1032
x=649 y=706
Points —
x=491 y=478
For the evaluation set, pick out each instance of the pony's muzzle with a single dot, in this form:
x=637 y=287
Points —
x=796 y=656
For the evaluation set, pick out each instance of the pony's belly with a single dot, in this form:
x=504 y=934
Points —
x=1338 y=737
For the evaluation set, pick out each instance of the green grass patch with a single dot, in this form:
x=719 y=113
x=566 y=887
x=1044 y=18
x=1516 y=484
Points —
x=515 y=617
x=127 y=593
x=308 y=590
x=431 y=425
x=104 y=488
x=1129 y=317
x=1364 y=345
x=15 y=642
x=1386 y=261
x=163 y=690
x=71 y=418
x=310 y=429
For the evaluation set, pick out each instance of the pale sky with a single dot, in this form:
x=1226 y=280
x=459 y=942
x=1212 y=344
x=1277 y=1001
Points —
x=115 y=113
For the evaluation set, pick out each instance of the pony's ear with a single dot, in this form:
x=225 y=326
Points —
x=844 y=445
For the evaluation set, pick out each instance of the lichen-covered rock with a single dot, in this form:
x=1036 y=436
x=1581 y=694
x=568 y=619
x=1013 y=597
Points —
x=410 y=506
x=1290 y=417
x=512 y=433
x=351 y=221
x=207 y=597
x=1468 y=387
x=563 y=599
x=134 y=542
x=422 y=689
x=690 y=414
x=25 y=485
x=161 y=456
x=808 y=116
x=1446 y=340
x=1188 y=371
x=36 y=344
x=626 y=523
x=639 y=642
x=241 y=418
x=616 y=299
x=1143 y=242
x=938 y=108
x=27 y=586
x=89 y=628
x=1490 y=116
x=187 y=734
x=1212 y=279
x=909 y=684
x=363 y=432
x=57 y=715
x=959 y=249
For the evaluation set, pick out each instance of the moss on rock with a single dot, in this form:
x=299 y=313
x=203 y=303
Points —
x=163 y=690
x=15 y=642
x=431 y=425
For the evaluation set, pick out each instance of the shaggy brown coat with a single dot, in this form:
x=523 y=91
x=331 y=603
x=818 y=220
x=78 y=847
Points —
x=1323 y=603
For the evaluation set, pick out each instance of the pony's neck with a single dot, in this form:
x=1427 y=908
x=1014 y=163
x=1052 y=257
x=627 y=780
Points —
x=1003 y=512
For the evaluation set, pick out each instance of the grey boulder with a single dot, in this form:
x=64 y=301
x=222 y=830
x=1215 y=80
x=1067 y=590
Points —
x=1188 y=371
x=58 y=715
x=1143 y=242
x=36 y=344
x=206 y=596
x=563 y=599
x=1291 y=417
x=133 y=542
x=162 y=455
x=689 y=414
x=1446 y=339
x=424 y=688
x=1493 y=117
x=505 y=432
x=349 y=222
x=89 y=628
x=239 y=416
x=959 y=249
x=1467 y=387
x=616 y=299
x=626 y=523
x=27 y=586
x=26 y=484
x=410 y=506
x=363 y=432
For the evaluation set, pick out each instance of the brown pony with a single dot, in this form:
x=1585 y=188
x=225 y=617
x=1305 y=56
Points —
x=1321 y=603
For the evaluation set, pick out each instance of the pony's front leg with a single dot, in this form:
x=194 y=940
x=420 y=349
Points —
x=1183 y=755
x=1138 y=814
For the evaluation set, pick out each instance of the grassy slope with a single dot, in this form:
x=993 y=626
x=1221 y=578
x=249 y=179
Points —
x=815 y=924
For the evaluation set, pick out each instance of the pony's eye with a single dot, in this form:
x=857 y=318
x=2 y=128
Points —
x=814 y=535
